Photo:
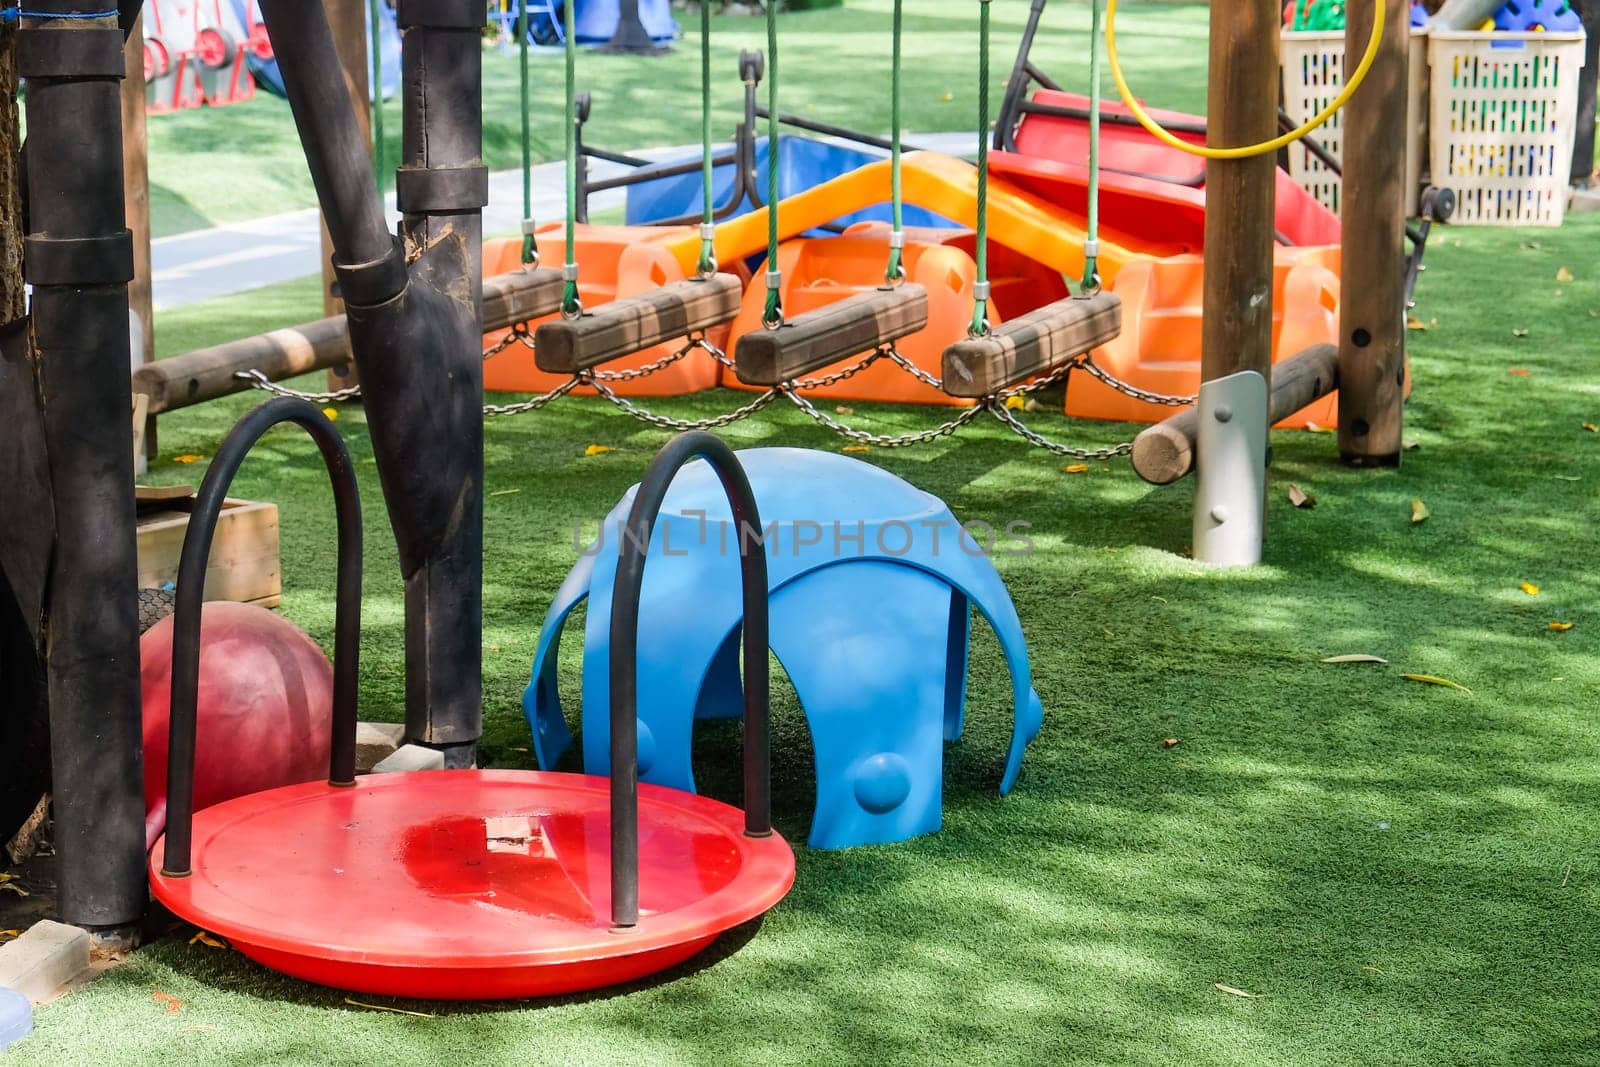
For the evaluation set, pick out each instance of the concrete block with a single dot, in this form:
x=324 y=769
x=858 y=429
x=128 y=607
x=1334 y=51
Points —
x=45 y=958
x=1585 y=200
x=411 y=758
x=376 y=742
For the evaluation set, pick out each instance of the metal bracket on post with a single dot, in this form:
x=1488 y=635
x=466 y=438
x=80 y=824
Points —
x=1231 y=486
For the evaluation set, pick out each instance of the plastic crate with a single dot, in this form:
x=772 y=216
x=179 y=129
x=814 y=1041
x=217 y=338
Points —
x=1313 y=74
x=1503 y=115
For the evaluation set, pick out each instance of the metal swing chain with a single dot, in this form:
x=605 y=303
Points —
x=865 y=437
x=259 y=380
x=495 y=411
x=666 y=422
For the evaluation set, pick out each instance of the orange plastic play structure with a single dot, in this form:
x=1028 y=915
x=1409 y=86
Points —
x=1159 y=349
x=615 y=262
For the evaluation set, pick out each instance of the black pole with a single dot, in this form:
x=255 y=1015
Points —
x=1005 y=127
x=414 y=311
x=79 y=259
x=1583 y=142
x=631 y=558
x=630 y=35
x=430 y=428
x=175 y=859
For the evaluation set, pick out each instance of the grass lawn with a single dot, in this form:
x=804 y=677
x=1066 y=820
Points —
x=1394 y=872
x=1404 y=873
x=211 y=166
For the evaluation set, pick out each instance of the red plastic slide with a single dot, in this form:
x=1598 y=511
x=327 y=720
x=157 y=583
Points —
x=1144 y=183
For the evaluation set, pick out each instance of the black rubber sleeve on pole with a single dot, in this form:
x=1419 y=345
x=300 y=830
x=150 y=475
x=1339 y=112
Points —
x=181 y=727
x=631 y=557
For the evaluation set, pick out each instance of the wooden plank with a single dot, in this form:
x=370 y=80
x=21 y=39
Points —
x=632 y=325
x=244 y=564
x=1372 y=357
x=838 y=331
x=1165 y=452
x=208 y=373
x=167 y=496
x=1042 y=341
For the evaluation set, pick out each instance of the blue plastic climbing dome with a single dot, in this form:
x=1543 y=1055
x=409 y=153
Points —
x=872 y=583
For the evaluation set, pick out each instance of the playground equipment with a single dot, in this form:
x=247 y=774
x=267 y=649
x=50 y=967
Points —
x=883 y=690
x=265 y=695
x=200 y=52
x=466 y=884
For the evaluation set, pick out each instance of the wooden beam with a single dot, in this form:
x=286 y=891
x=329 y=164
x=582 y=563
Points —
x=1372 y=300
x=1242 y=109
x=628 y=327
x=838 y=331
x=208 y=373
x=136 y=194
x=1040 y=342
x=1165 y=452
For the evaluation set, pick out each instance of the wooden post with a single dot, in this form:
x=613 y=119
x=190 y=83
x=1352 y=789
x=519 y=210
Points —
x=1372 y=328
x=1242 y=108
x=348 y=20
x=136 y=192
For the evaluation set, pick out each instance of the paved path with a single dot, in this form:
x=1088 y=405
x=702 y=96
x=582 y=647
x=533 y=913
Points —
x=205 y=264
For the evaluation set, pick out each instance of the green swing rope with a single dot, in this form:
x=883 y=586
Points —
x=570 y=305
x=375 y=46
x=530 y=246
x=896 y=271
x=708 y=235
x=1091 y=240
x=772 y=316
x=980 y=289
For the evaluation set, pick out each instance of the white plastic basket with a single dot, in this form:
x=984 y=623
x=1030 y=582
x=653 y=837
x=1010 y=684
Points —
x=1313 y=74
x=1503 y=115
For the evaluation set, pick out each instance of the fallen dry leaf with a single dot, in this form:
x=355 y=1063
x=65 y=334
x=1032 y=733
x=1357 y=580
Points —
x=858 y=448
x=186 y=458
x=1519 y=333
x=331 y=413
x=1015 y=403
x=9 y=935
x=1591 y=427
x=1529 y=588
x=1312 y=427
x=1412 y=446
x=385 y=1007
x=1300 y=498
x=1419 y=511
x=1354 y=657
x=12 y=887
x=842 y=410
x=1564 y=276
x=168 y=1001
x=1562 y=627
x=505 y=492
x=1170 y=742
x=945 y=98
x=1076 y=468
x=597 y=450
x=1429 y=679
x=1232 y=992
x=1414 y=323
x=1519 y=372
x=201 y=937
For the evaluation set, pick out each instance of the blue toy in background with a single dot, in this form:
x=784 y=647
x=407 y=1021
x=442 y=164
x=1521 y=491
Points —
x=1552 y=16
x=594 y=21
x=16 y=1017
x=803 y=163
x=872 y=582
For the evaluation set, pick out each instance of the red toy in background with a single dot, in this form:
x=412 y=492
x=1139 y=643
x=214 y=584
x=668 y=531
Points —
x=266 y=707
x=197 y=52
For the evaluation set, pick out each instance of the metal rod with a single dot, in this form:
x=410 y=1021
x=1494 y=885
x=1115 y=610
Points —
x=827 y=129
x=632 y=554
x=176 y=861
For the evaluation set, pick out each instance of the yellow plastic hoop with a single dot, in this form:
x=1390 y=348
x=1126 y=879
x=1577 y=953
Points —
x=1243 y=151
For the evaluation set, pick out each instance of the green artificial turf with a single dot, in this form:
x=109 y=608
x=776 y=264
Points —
x=221 y=165
x=1397 y=872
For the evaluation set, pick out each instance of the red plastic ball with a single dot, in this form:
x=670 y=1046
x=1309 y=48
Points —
x=265 y=707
